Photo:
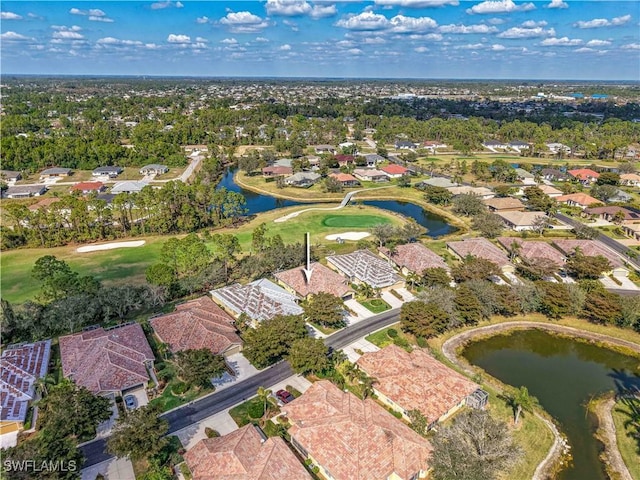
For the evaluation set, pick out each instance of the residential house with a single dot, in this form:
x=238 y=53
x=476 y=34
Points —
x=525 y=177
x=25 y=191
x=344 y=160
x=481 y=248
x=520 y=221
x=610 y=214
x=320 y=149
x=433 y=146
x=404 y=145
x=321 y=280
x=362 y=266
x=55 y=172
x=129 y=186
x=632 y=230
x=154 y=169
x=549 y=190
x=504 y=204
x=88 y=187
x=353 y=439
x=584 y=175
x=416 y=381
x=21 y=366
x=518 y=146
x=43 y=204
x=284 y=162
x=494 y=145
x=579 y=199
x=395 y=171
x=593 y=248
x=345 y=179
x=110 y=171
x=620 y=197
x=555 y=175
x=532 y=250
x=630 y=179
x=373 y=159
x=107 y=361
x=196 y=148
x=438 y=182
x=413 y=258
x=244 y=454
x=10 y=176
x=370 y=175
x=303 y=179
x=482 y=192
x=558 y=149
x=197 y=324
x=259 y=300
x=277 y=171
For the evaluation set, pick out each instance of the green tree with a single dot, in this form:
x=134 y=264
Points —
x=40 y=449
x=519 y=401
x=258 y=237
x=468 y=205
x=608 y=178
x=325 y=309
x=423 y=319
x=271 y=340
x=474 y=268
x=308 y=355
x=468 y=306
x=332 y=185
x=383 y=233
x=583 y=267
x=264 y=395
x=536 y=268
x=585 y=232
x=604 y=192
x=488 y=224
x=419 y=422
x=404 y=181
x=138 y=435
x=437 y=195
x=58 y=280
x=435 y=276
x=539 y=201
x=160 y=274
x=555 y=301
x=602 y=307
x=198 y=367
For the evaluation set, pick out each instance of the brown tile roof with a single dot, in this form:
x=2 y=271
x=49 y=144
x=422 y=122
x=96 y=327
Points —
x=394 y=169
x=106 y=360
x=344 y=177
x=505 y=203
x=278 y=170
x=521 y=219
x=481 y=248
x=354 y=439
x=531 y=249
x=242 y=455
x=628 y=214
x=323 y=279
x=20 y=366
x=415 y=257
x=579 y=198
x=199 y=323
x=416 y=380
x=590 y=248
x=549 y=190
x=86 y=186
x=44 y=203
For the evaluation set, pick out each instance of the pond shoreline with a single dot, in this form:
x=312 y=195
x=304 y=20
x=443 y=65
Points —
x=452 y=346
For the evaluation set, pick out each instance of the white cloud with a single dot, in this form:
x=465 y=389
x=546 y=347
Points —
x=10 y=16
x=116 y=41
x=173 y=38
x=13 y=36
x=480 y=28
x=603 y=22
x=286 y=47
x=497 y=47
x=152 y=46
x=100 y=19
x=598 y=43
x=534 y=24
x=496 y=21
x=416 y=3
x=64 y=33
x=229 y=41
x=243 y=22
x=470 y=46
x=94 y=14
x=167 y=4
x=500 y=6
x=202 y=20
x=355 y=51
x=421 y=49
x=287 y=8
x=431 y=37
x=557 y=4
x=345 y=44
x=261 y=39
x=519 y=32
x=561 y=42
x=584 y=50
x=369 y=21
x=631 y=46
x=292 y=25
x=323 y=11
x=374 y=41
x=201 y=40
x=34 y=16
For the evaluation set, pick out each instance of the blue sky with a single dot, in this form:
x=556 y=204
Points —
x=501 y=39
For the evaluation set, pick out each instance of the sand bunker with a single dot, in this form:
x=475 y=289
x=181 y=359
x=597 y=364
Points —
x=348 y=236
x=110 y=246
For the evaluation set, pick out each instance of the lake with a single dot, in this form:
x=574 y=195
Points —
x=564 y=374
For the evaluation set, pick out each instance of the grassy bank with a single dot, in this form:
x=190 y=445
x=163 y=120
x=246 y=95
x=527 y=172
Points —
x=629 y=448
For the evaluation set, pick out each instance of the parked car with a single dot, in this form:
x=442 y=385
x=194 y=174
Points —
x=130 y=402
x=284 y=396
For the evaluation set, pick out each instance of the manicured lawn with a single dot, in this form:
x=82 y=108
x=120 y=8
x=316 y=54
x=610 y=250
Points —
x=629 y=448
x=382 y=338
x=376 y=305
x=247 y=412
x=354 y=221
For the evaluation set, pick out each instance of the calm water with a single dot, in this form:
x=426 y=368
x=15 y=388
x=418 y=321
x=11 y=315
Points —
x=563 y=374
x=257 y=203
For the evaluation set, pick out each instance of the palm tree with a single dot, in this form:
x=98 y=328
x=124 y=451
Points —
x=42 y=383
x=163 y=350
x=413 y=279
x=367 y=384
x=264 y=394
x=514 y=249
x=520 y=401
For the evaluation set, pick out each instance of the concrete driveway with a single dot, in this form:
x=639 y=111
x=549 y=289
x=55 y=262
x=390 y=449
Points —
x=238 y=364
x=391 y=299
x=361 y=313
x=625 y=284
x=361 y=345
x=220 y=422
x=112 y=469
x=104 y=429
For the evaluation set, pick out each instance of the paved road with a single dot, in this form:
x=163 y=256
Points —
x=198 y=410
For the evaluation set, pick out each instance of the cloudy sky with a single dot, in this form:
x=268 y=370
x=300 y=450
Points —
x=501 y=39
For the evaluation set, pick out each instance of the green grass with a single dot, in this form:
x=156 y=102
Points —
x=247 y=412
x=353 y=221
x=376 y=305
x=629 y=448
x=381 y=338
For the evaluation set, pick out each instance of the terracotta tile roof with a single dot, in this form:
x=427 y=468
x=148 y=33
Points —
x=521 y=219
x=415 y=257
x=199 y=323
x=86 y=186
x=20 y=366
x=481 y=248
x=632 y=177
x=354 y=439
x=323 y=279
x=531 y=249
x=242 y=455
x=590 y=248
x=629 y=215
x=343 y=177
x=416 y=380
x=366 y=267
x=394 y=169
x=278 y=170
x=583 y=173
x=579 y=198
x=44 y=203
x=260 y=300
x=504 y=203
x=107 y=360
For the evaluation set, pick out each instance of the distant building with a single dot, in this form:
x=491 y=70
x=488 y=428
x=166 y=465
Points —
x=437 y=182
x=55 y=172
x=154 y=169
x=584 y=175
x=370 y=175
x=25 y=191
x=482 y=248
x=320 y=149
x=504 y=204
x=323 y=280
x=362 y=266
x=303 y=179
x=277 y=171
x=345 y=179
x=630 y=179
x=88 y=187
x=532 y=250
x=581 y=200
x=110 y=171
x=394 y=170
x=482 y=192
x=404 y=145
x=10 y=176
x=520 y=221
x=554 y=175
x=593 y=248
x=129 y=186
x=413 y=258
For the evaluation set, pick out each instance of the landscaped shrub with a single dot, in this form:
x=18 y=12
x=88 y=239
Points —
x=422 y=342
x=396 y=294
x=402 y=342
x=255 y=410
x=211 y=433
x=293 y=391
x=392 y=332
x=179 y=388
